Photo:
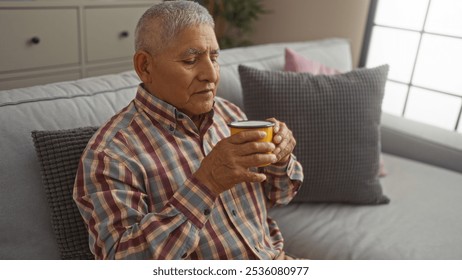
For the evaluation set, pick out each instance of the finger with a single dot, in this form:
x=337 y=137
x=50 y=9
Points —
x=277 y=139
x=282 y=132
x=282 y=136
x=276 y=125
x=249 y=177
x=257 y=160
x=247 y=136
x=286 y=147
x=250 y=148
x=288 y=150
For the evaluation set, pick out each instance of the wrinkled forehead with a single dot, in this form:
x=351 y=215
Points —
x=194 y=40
x=186 y=37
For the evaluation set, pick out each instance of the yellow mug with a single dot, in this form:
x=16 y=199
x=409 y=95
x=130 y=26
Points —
x=266 y=126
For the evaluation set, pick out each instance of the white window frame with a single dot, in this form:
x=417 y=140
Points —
x=366 y=43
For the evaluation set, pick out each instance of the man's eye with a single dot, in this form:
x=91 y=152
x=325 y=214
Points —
x=190 y=61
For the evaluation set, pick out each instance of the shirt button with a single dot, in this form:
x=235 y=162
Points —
x=171 y=128
x=207 y=212
x=180 y=116
x=234 y=213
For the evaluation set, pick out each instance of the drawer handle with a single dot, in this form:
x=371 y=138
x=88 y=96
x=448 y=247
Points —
x=124 y=34
x=35 y=40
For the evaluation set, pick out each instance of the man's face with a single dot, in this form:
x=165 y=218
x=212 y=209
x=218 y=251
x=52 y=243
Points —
x=186 y=73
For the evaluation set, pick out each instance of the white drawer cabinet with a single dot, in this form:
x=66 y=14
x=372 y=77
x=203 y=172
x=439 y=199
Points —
x=110 y=32
x=33 y=38
x=48 y=41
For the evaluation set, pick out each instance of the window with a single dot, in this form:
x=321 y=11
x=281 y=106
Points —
x=421 y=40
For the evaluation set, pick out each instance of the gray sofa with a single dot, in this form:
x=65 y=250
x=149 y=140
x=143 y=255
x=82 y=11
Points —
x=424 y=164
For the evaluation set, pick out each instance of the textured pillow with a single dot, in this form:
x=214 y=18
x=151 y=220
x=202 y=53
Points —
x=335 y=120
x=296 y=62
x=58 y=153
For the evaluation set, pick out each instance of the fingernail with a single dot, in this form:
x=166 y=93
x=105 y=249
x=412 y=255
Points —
x=275 y=159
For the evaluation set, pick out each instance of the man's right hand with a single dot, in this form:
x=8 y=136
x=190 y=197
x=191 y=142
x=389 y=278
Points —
x=229 y=161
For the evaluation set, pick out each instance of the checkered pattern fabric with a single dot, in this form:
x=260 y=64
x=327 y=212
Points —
x=59 y=153
x=335 y=120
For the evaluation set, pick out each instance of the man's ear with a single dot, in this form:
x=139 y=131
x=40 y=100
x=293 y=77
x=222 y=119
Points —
x=142 y=64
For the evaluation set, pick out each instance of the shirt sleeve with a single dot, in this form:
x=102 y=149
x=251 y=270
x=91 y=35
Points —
x=115 y=205
x=283 y=181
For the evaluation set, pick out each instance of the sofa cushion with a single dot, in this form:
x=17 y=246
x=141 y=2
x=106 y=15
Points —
x=336 y=121
x=421 y=223
x=296 y=62
x=58 y=153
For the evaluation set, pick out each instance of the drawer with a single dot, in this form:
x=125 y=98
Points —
x=34 y=38
x=110 y=32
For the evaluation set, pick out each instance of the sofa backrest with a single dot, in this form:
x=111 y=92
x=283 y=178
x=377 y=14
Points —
x=25 y=226
x=334 y=53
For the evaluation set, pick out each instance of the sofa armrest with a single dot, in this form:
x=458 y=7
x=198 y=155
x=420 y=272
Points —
x=421 y=142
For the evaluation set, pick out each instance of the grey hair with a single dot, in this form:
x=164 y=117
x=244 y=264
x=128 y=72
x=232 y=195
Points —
x=171 y=18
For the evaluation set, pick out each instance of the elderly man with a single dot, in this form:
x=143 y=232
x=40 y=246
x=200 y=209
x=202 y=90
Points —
x=163 y=179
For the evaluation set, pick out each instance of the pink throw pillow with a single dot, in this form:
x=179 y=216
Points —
x=382 y=170
x=298 y=63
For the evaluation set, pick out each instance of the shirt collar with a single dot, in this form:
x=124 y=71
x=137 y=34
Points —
x=166 y=114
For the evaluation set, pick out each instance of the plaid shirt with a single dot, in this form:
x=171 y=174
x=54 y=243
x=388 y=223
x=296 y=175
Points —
x=136 y=190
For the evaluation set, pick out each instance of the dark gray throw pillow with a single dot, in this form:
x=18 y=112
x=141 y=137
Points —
x=335 y=120
x=58 y=153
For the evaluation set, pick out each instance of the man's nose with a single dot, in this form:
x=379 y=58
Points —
x=208 y=71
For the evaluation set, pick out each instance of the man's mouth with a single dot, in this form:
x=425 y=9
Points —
x=204 y=91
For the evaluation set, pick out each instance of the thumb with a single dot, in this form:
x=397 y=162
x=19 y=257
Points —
x=250 y=176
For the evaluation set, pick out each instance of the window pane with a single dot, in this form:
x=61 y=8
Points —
x=408 y=14
x=433 y=108
x=438 y=64
x=445 y=17
x=395 y=96
x=397 y=48
x=460 y=127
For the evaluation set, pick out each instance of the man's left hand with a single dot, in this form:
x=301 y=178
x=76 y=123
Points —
x=284 y=141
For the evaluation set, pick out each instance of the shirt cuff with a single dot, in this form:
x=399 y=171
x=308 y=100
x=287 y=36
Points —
x=281 y=170
x=195 y=201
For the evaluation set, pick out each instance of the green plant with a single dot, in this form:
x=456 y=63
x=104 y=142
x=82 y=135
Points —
x=234 y=20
